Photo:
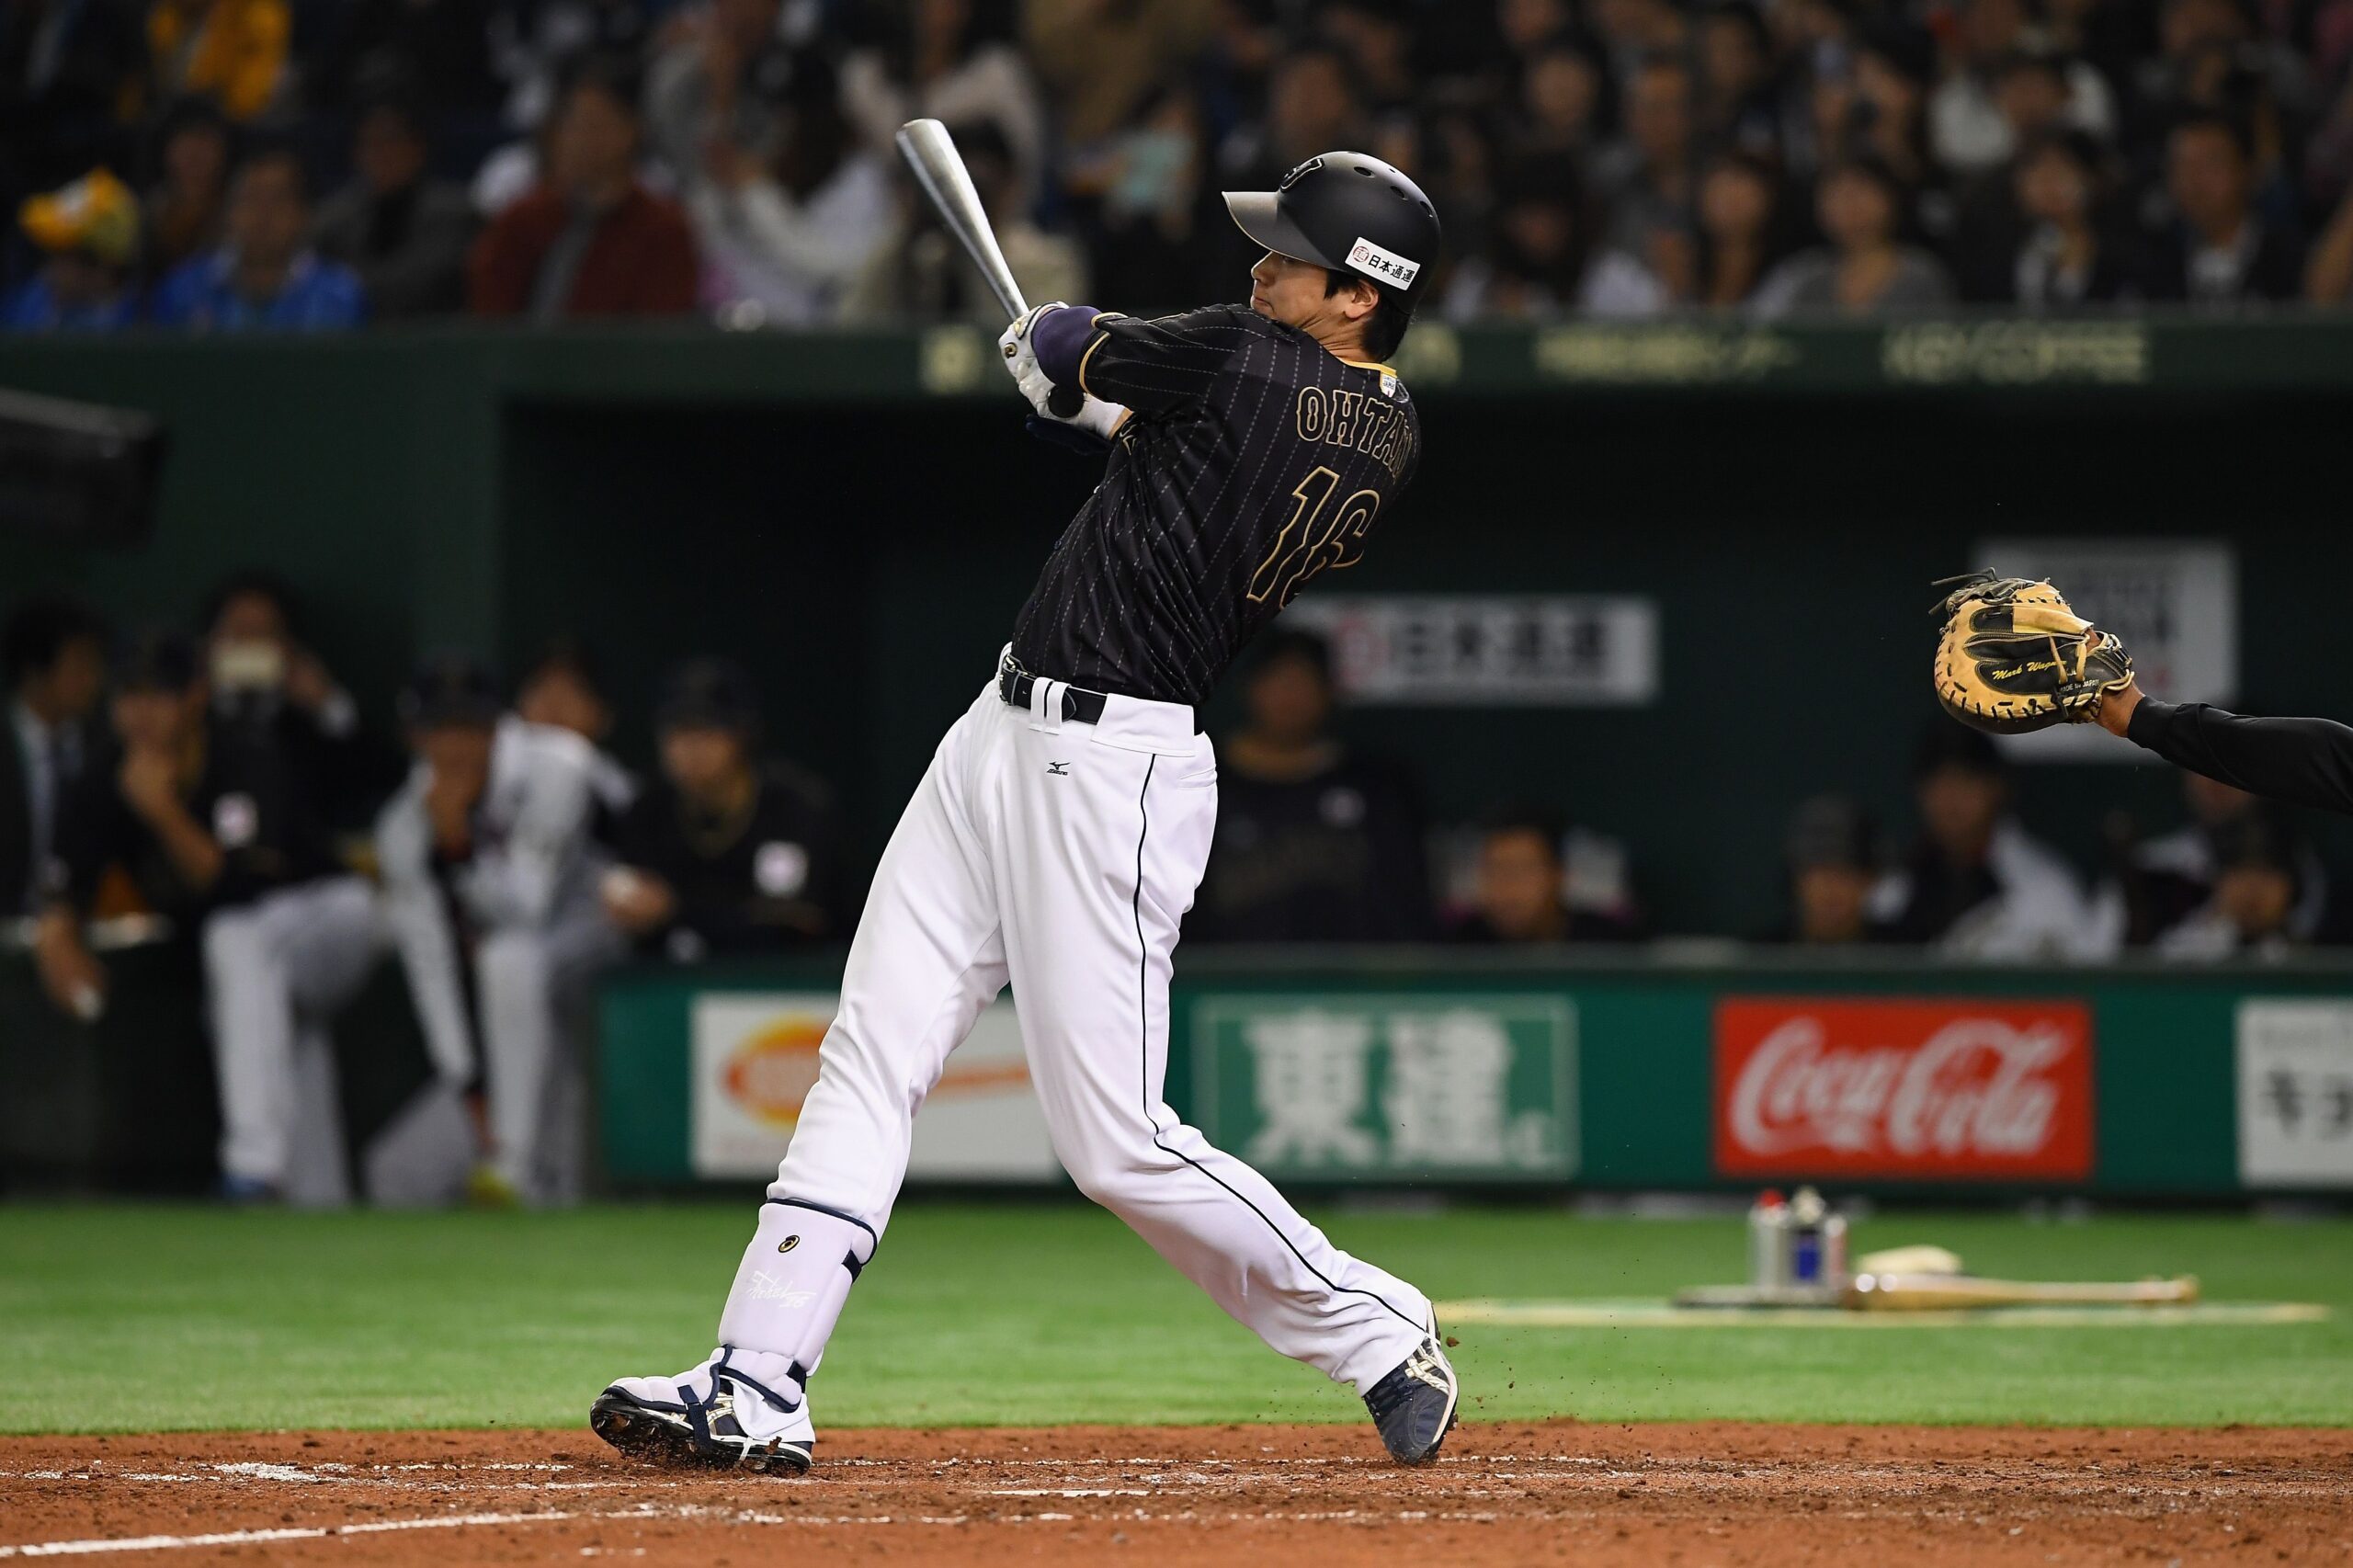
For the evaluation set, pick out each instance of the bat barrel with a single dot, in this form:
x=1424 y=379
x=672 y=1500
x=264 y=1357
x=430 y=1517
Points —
x=931 y=153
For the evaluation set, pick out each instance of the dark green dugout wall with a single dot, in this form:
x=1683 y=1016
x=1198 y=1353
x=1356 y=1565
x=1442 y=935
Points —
x=858 y=517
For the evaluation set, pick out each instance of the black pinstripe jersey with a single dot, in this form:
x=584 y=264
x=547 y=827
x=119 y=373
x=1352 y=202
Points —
x=1253 y=459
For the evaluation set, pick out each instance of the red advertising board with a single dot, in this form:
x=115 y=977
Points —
x=1924 y=1090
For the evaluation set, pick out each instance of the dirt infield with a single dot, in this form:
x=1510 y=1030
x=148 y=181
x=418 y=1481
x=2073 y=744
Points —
x=1685 y=1495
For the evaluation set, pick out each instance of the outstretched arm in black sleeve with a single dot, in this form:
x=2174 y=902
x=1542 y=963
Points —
x=2307 y=762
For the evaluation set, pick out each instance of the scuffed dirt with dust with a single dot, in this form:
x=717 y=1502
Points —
x=1223 y=1497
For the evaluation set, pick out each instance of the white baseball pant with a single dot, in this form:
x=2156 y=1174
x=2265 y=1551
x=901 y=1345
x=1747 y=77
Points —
x=1060 y=855
x=275 y=972
x=536 y=998
x=531 y=1008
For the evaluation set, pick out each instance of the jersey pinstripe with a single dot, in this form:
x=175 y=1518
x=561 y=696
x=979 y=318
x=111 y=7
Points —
x=1254 y=460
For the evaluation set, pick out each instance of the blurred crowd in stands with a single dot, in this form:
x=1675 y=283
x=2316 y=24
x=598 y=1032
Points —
x=1318 y=844
x=220 y=790
x=225 y=165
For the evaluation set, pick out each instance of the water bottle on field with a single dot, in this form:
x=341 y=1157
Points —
x=1769 y=1219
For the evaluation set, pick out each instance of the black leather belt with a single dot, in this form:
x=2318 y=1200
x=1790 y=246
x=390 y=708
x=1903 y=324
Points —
x=1016 y=684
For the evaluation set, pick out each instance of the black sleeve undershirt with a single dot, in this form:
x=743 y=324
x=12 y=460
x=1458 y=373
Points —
x=2308 y=762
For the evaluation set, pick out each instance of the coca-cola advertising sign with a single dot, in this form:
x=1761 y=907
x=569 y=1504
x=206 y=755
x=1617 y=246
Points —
x=1983 y=1091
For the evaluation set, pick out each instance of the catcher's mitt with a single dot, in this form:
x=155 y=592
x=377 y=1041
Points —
x=2012 y=657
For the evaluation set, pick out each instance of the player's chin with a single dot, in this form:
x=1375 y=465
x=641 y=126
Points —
x=1258 y=303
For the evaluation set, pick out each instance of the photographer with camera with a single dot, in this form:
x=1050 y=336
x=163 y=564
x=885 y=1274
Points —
x=291 y=949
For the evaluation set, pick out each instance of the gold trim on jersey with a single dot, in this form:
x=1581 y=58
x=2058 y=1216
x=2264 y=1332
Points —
x=1083 y=359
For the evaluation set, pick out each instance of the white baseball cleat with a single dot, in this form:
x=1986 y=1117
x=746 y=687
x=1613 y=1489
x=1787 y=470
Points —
x=717 y=1416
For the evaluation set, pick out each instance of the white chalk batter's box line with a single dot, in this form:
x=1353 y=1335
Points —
x=695 y=1514
x=1574 y=1474
x=1585 y=1468
x=1157 y=1469
x=689 y=1514
x=1154 y=1466
x=288 y=1475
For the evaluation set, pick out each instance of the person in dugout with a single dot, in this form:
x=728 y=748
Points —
x=730 y=854
x=490 y=874
x=201 y=820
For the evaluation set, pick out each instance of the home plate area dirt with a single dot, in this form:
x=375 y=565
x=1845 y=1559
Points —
x=1300 y=1496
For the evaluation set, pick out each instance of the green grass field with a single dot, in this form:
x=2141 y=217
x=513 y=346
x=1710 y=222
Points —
x=139 y=1319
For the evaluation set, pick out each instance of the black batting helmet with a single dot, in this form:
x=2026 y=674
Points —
x=1348 y=213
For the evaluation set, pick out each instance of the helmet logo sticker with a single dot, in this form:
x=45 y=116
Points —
x=1300 y=173
x=1386 y=266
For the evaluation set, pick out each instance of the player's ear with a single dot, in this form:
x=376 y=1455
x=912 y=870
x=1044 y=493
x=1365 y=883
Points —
x=1363 y=298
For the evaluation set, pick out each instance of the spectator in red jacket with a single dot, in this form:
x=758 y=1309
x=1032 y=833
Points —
x=591 y=240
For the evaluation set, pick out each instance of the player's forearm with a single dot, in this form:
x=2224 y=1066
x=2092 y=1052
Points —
x=190 y=849
x=2307 y=762
x=419 y=925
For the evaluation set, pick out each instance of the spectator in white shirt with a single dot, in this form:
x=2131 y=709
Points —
x=1976 y=886
x=937 y=67
x=786 y=228
x=1980 y=113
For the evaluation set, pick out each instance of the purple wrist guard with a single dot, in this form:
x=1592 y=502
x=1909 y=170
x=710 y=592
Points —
x=1059 y=339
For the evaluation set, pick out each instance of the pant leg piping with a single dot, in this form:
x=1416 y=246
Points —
x=1143 y=1031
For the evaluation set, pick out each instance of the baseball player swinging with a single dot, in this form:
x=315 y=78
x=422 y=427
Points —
x=1057 y=838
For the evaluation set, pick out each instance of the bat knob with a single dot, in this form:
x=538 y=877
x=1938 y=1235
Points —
x=1066 y=403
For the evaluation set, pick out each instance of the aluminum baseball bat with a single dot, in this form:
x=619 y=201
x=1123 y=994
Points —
x=939 y=169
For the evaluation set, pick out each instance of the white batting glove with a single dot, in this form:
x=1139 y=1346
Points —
x=1021 y=358
x=1102 y=418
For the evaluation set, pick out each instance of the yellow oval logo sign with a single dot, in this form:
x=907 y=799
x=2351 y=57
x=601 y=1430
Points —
x=771 y=1072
